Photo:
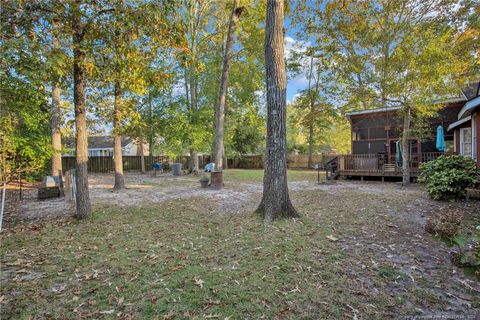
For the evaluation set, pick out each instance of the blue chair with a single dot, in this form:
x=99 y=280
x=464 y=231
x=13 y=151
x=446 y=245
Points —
x=157 y=166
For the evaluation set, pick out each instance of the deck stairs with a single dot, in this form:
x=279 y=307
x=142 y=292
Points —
x=331 y=171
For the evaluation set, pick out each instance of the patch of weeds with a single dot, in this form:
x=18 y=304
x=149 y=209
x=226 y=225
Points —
x=425 y=296
x=390 y=273
x=456 y=229
x=445 y=224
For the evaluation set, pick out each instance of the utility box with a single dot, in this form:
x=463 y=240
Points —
x=52 y=187
x=177 y=169
x=51 y=181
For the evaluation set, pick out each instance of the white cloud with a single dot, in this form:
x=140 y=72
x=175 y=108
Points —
x=295 y=96
x=297 y=80
x=178 y=89
x=289 y=46
x=292 y=45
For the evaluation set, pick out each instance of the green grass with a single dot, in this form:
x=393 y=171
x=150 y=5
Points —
x=170 y=259
x=257 y=175
x=390 y=272
x=183 y=259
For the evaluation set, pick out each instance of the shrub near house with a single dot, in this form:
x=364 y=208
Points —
x=448 y=177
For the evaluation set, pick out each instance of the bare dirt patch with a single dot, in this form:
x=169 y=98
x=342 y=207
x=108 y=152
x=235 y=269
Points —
x=234 y=197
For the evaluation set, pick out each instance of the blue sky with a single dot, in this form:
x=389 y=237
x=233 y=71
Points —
x=297 y=82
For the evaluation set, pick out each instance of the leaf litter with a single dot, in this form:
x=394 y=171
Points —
x=161 y=241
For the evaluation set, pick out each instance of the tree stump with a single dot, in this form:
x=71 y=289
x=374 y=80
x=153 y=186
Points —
x=216 y=178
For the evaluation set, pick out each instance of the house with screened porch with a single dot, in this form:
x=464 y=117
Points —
x=375 y=133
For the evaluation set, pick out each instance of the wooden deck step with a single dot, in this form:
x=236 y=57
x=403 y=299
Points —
x=389 y=167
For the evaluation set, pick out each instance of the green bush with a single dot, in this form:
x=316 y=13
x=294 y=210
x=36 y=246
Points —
x=447 y=177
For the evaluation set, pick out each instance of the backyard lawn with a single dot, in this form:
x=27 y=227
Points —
x=166 y=249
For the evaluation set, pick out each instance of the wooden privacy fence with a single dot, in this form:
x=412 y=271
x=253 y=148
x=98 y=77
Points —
x=300 y=161
x=106 y=164
x=246 y=162
x=132 y=163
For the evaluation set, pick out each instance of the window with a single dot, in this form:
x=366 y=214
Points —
x=360 y=134
x=373 y=133
x=466 y=142
x=377 y=133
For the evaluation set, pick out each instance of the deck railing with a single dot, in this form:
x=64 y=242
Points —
x=382 y=162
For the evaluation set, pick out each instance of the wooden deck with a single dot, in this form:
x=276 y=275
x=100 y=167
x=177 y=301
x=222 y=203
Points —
x=376 y=165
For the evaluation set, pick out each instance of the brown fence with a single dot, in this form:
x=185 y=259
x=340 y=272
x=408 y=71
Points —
x=132 y=163
x=300 y=161
x=246 y=162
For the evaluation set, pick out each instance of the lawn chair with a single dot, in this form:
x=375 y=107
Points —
x=156 y=166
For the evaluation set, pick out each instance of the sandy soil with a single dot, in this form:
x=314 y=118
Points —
x=144 y=189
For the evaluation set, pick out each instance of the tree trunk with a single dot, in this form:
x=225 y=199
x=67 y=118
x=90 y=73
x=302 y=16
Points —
x=56 y=117
x=222 y=97
x=56 y=134
x=311 y=98
x=189 y=108
x=82 y=196
x=405 y=147
x=117 y=140
x=193 y=91
x=193 y=165
x=150 y=124
x=212 y=152
x=142 y=154
x=194 y=161
x=312 y=93
x=275 y=201
x=310 y=146
x=225 y=159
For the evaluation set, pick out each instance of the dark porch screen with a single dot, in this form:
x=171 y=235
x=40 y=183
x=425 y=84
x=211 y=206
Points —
x=368 y=147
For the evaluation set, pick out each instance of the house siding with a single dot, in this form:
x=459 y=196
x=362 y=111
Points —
x=457 y=140
x=102 y=146
x=474 y=124
x=477 y=126
x=133 y=149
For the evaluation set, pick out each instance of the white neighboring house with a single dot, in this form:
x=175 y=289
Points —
x=102 y=146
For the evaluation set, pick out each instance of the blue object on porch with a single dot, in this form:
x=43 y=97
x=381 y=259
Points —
x=398 y=155
x=440 y=139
